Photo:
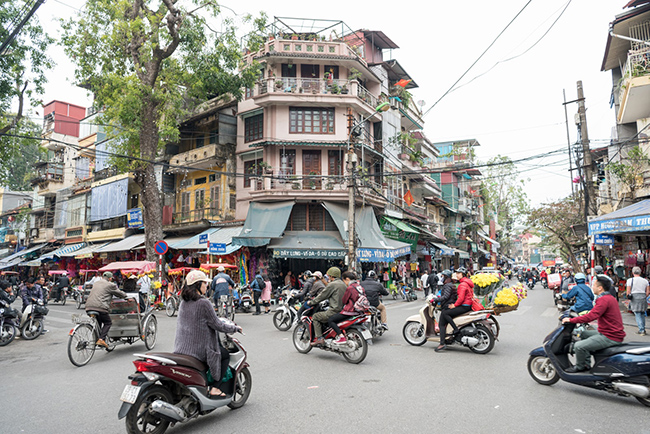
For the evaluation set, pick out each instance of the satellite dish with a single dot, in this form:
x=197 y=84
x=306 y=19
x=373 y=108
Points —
x=421 y=103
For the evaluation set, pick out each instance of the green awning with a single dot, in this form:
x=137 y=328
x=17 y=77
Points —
x=309 y=245
x=401 y=225
x=263 y=222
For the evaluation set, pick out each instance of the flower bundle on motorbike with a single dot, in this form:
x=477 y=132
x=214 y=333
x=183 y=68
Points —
x=504 y=300
x=485 y=283
x=520 y=291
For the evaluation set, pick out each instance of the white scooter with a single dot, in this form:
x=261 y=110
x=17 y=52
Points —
x=32 y=322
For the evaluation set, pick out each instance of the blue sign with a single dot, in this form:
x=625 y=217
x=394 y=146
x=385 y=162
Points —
x=382 y=255
x=217 y=248
x=161 y=247
x=203 y=238
x=615 y=226
x=134 y=218
x=604 y=239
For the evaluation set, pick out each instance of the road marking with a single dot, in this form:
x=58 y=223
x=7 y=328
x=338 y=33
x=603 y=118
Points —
x=550 y=312
x=521 y=310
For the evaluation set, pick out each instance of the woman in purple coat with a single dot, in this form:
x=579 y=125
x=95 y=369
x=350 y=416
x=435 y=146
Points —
x=197 y=329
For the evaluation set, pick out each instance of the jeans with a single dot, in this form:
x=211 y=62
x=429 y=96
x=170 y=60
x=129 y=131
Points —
x=640 y=320
x=446 y=317
x=335 y=319
x=256 y=299
x=590 y=342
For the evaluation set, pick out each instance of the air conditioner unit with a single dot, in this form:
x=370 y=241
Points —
x=33 y=233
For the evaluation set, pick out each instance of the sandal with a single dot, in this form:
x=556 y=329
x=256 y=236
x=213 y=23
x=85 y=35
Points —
x=213 y=395
x=440 y=348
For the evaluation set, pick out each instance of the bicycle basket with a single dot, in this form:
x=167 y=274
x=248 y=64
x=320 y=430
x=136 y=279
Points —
x=81 y=319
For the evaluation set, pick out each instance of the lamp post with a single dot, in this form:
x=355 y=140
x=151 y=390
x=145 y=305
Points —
x=351 y=160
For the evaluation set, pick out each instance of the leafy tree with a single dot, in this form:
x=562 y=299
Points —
x=19 y=155
x=628 y=171
x=505 y=196
x=23 y=66
x=147 y=62
x=554 y=221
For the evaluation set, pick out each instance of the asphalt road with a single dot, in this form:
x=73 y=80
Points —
x=398 y=388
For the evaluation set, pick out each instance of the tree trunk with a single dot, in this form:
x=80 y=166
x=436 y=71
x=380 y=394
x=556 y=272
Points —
x=146 y=179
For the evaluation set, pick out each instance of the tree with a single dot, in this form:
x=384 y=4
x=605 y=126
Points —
x=147 y=62
x=23 y=66
x=629 y=171
x=505 y=196
x=554 y=221
x=19 y=155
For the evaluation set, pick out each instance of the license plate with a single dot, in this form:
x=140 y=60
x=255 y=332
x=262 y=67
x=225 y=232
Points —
x=366 y=334
x=130 y=393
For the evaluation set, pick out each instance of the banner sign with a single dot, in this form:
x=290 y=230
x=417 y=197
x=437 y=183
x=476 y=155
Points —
x=614 y=226
x=134 y=218
x=381 y=255
x=604 y=239
x=308 y=254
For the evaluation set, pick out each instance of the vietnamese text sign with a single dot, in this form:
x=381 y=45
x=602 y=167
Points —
x=217 y=248
x=134 y=218
x=203 y=238
x=628 y=224
x=604 y=239
x=306 y=254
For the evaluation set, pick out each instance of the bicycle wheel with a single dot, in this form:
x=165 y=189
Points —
x=81 y=345
x=170 y=306
x=150 y=332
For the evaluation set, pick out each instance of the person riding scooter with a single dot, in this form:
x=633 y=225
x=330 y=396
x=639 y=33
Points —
x=610 y=326
x=463 y=304
x=583 y=294
x=373 y=290
x=333 y=292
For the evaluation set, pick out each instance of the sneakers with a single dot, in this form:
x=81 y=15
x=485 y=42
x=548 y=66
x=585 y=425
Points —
x=574 y=369
x=341 y=340
x=101 y=343
x=642 y=333
x=384 y=326
x=319 y=341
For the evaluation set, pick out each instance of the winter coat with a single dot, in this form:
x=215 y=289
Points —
x=373 y=290
x=333 y=292
x=221 y=285
x=27 y=294
x=316 y=288
x=584 y=297
x=350 y=297
x=197 y=334
x=465 y=292
x=448 y=295
x=101 y=295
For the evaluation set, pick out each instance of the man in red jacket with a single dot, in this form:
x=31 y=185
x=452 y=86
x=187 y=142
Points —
x=610 y=325
x=462 y=305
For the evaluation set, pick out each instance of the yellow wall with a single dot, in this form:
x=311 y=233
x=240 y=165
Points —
x=223 y=206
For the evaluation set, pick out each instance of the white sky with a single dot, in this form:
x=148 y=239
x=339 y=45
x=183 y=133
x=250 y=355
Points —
x=514 y=109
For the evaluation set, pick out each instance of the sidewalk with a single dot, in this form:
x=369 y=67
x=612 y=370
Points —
x=630 y=326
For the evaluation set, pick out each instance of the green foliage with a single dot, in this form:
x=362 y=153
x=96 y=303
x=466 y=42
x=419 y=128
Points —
x=24 y=65
x=17 y=156
x=629 y=168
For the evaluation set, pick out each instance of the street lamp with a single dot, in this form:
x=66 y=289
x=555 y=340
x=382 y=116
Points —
x=352 y=265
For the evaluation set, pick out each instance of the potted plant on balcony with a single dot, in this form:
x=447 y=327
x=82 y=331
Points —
x=329 y=186
x=344 y=89
x=354 y=74
x=328 y=77
x=312 y=181
x=335 y=89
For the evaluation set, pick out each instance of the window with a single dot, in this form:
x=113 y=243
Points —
x=334 y=163
x=200 y=141
x=199 y=203
x=214 y=135
x=249 y=93
x=212 y=178
x=251 y=168
x=214 y=198
x=254 y=128
x=233 y=201
x=311 y=120
x=310 y=217
x=332 y=69
x=287 y=163
x=198 y=181
x=185 y=205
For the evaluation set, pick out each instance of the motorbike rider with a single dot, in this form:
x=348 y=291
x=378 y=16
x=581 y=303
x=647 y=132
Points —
x=316 y=288
x=567 y=279
x=350 y=297
x=221 y=284
x=448 y=294
x=306 y=287
x=598 y=270
x=529 y=275
x=333 y=293
x=99 y=301
x=30 y=291
x=583 y=294
x=197 y=330
x=462 y=305
x=62 y=282
x=610 y=326
x=373 y=290
x=543 y=275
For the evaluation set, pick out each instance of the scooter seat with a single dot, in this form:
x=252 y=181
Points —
x=183 y=360
x=618 y=349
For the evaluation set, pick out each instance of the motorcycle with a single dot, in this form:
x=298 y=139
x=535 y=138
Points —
x=623 y=370
x=169 y=388
x=226 y=307
x=287 y=312
x=374 y=324
x=477 y=330
x=31 y=324
x=358 y=337
x=530 y=283
x=8 y=323
x=407 y=292
x=394 y=291
x=545 y=283
x=61 y=297
x=246 y=298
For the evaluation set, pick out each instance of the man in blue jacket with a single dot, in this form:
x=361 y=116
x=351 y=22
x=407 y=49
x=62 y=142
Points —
x=221 y=284
x=583 y=294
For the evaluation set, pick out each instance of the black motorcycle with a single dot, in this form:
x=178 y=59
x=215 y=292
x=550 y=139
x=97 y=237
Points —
x=8 y=323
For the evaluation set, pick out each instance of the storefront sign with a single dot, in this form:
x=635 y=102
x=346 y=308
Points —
x=381 y=255
x=216 y=248
x=604 y=239
x=614 y=226
x=134 y=218
x=308 y=254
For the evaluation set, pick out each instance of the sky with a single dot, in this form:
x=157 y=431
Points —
x=512 y=107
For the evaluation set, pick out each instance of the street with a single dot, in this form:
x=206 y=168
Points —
x=398 y=388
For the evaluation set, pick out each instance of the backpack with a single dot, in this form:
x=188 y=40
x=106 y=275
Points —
x=261 y=283
x=362 y=305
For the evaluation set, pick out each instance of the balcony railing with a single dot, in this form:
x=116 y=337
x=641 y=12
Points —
x=298 y=47
x=316 y=86
x=636 y=65
x=195 y=215
x=47 y=172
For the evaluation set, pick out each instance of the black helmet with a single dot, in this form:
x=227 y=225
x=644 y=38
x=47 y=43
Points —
x=461 y=270
x=447 y=273
x=372 y=274
x=307 y=274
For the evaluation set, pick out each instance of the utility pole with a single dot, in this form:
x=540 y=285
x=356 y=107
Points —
x=351 y=184
x=590 y=194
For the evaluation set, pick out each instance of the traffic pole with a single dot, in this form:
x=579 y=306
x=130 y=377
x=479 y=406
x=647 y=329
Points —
x=593 y=256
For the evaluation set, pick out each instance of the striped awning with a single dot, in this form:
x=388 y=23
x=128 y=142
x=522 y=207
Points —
x=62 y=251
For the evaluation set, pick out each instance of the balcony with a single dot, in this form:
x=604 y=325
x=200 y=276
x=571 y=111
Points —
x=196 y=215
x=47 y=172
x=199 y=158
x=307 y=91
x=306 y=48
x=634 y=89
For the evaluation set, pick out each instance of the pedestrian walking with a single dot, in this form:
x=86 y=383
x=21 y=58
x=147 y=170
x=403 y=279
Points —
x=638 y=291
x=266 y=293
x=257 y=285
x=425 y=282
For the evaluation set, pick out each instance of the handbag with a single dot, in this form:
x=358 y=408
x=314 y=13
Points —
x=629 y=296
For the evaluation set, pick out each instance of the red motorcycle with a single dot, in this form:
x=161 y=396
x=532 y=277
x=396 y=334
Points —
x=170 y=388
x=358 y=337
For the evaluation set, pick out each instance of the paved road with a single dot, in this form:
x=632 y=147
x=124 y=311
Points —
x=398 y=387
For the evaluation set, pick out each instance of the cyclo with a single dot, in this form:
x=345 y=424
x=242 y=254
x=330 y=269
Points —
x=82 y=291
x=177 y=277
x=129 y=324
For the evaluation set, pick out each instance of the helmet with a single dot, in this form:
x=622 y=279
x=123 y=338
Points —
x=580 y=276
x=461 y=270
x=307 y=274
x=372 y=274
x=598 y=269
x=447 y=274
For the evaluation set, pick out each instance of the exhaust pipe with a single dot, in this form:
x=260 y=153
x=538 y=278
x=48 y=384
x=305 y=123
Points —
x=469 y=341
x=169 y=411
x=633 y=389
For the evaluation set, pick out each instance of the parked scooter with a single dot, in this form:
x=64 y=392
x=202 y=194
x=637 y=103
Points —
x=169 y=388
x=374 y=324
x=623 y=370
x=407 y=292
x=477 y=330
x=8 y=323
x=245 y=299
x=287 y=312
x=32 y=322
x=358 y=337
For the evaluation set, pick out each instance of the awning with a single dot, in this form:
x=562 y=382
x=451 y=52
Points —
x=401 y=225
x=488 y=239
x=485 y=252
x=5 y=265
x=86 y=252
x=309 y=245
x=20 y=254
x=462 y=254
x=633 y=218
x=224 y=236
x=62 y=251
x=192 y=243
x=4 y=252
x=128 y=243
x=263 y=222
x=444 y=250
